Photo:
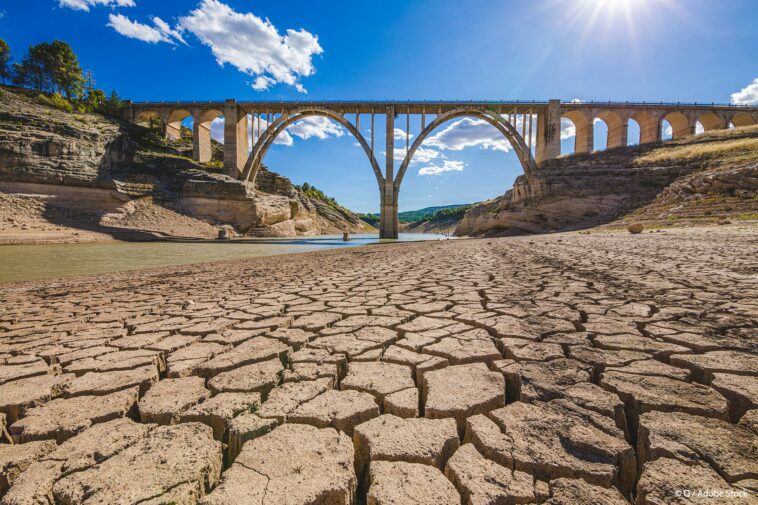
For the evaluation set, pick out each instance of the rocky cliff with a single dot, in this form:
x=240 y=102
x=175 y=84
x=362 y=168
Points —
x=706 y=177
x=101 y=167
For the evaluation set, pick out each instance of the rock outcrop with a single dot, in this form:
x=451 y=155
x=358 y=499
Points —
x=100 y=167
x=704 y=177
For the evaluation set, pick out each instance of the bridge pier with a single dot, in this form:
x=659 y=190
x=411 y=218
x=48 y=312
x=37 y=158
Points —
x=388 y=224
x=235 y=139
x=549 y=132
x=201 y=140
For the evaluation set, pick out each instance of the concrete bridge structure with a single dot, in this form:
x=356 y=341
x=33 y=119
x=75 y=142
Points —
x=532 y=128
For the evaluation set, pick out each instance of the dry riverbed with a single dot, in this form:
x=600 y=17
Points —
x=563 y=369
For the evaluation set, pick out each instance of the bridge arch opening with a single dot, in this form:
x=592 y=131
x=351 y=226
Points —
x=331 y=140
x=679 y=124
x=744 y=119
x=616 y=135
x=710 y=121
x=173 y=123
x=576 y=121
x=148 y=119
x=601 y=131
x=437 y=169
x=633 y=132
x=279 y=126
x=202 y=134
x=648 y=126
x=699 y=129
x=509 y=136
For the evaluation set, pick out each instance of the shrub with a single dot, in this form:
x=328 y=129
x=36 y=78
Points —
x=55 y=100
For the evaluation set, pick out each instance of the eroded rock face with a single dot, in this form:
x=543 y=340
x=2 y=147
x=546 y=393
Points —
x=350 y=344
x=296 y=464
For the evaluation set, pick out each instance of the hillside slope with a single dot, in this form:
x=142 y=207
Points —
x=85 y=176
x=698 y=179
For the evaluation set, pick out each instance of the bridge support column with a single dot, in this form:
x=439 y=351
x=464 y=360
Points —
x=171 y=131
x=388 y=225
x=584 y=140
x=618 y=136
x=549 y=132
x=201 y=139
x=235 y=139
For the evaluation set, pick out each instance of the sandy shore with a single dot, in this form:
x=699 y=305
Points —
x=603 y=368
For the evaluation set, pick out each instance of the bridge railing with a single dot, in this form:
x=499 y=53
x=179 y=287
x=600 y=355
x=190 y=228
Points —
x=449 y=102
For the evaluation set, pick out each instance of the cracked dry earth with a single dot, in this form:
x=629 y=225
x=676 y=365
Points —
x=563 y=369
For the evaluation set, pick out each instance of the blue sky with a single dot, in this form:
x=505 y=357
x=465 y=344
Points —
x=671 y=50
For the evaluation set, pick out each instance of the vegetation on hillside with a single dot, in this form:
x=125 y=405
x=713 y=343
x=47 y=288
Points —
x=316 y=194
x=372 y=219
x=429 y=213
x=423 y=215
x=52 y=69
x=738 y=150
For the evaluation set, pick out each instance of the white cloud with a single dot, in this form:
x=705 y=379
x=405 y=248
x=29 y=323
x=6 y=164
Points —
x=84 y=5
x=422 y=155
x=253 y=45
x=747 y=95
x=159 y=32
x=568 y=129
x=468 y=132
x=316 y=126
x=217 y=132
x=699 y=128
x=446 y=166
x=166 y=30
x=400 y=135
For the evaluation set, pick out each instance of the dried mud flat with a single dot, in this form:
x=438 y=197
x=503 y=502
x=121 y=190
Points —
x=561 y=369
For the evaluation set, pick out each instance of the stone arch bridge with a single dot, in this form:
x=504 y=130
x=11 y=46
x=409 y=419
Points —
x=532 y=128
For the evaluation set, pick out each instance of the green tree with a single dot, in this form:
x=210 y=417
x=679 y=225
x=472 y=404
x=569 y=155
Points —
x=5 y=57
x=51 y=67
x=66 y=73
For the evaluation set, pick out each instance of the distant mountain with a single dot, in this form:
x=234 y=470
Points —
x=414 y=216
x=444 y=212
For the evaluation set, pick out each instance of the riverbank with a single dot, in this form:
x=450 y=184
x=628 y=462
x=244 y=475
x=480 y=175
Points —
x=29 y=219
x=596 y=352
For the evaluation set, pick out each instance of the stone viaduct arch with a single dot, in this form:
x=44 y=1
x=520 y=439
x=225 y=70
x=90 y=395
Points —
x=519 y=144
x=519 y=122
x=276 y=127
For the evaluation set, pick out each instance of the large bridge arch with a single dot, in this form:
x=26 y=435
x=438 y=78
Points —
x=511 y=134
x=276 y=127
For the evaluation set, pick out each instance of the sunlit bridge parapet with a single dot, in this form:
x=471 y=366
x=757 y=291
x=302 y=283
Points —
x=533 y=129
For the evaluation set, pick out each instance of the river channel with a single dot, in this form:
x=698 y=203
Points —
x=28 y=262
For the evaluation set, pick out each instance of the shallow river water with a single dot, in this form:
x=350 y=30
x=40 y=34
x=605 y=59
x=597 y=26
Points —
x=26 y=262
